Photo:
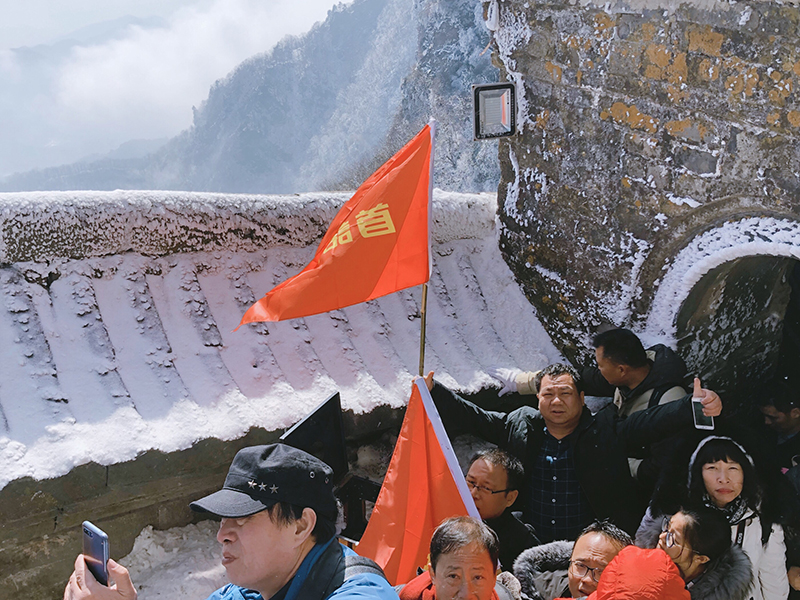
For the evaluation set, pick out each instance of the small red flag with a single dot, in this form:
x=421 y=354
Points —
x=423 y=487
x=377 y=243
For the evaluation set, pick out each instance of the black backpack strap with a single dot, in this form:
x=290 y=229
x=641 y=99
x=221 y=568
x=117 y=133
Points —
x=357 y=565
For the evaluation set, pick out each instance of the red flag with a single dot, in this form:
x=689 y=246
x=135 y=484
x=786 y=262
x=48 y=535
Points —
x=423 y=487
x=377 y=243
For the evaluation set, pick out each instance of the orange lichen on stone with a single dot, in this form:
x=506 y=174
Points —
x=708 y=69
x=648 y=31
x=574 y=42
x=677 y=70
x=706 y=40
x=773 y=118
x=776 y=76
x=653 y=72
x=554 y=70
x=604 y=25
x=745 y=81
x=658 y=54
x=676 y=93
x=604 y=115
x=589 y=64
x=677 y=127
x=630 y=115
x=542 y=118
x=794 y=118
x=796 y=68
x=578 y=77
x=638 y=204
x=626 y=182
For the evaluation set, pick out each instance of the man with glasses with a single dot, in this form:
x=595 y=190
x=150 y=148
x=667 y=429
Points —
x=566 y=570
x=494 y=479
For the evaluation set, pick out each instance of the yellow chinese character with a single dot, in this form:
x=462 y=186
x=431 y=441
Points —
x=343 y=236
x=375 y=221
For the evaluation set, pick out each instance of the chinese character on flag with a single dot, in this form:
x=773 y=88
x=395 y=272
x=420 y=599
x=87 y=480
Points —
x=389 y=251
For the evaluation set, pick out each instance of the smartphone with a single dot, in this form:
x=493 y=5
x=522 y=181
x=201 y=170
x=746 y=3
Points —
x=95 y=551
x=700 y=420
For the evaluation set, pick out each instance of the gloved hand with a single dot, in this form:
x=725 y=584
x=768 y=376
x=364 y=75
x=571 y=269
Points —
x=508 y=377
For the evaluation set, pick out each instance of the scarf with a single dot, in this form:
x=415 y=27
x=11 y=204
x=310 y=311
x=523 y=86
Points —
x=734 y=511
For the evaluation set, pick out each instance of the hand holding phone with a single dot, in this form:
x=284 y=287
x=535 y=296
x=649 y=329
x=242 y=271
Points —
x=701 y=421
x=95 y=551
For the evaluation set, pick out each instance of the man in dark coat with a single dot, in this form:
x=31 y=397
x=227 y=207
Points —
x=494 y=479
x=576 y=466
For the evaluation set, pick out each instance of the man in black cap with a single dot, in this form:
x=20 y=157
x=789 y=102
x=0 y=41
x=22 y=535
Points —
x=277 y=533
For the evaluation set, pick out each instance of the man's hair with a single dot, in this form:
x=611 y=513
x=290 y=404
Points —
x=510 y=464
x=781 y=396
x=707 y=531
x=284 y=514
x=622 y=347
x=458 y=532
x=726 y=450
x=615 y=535
x=556 y=370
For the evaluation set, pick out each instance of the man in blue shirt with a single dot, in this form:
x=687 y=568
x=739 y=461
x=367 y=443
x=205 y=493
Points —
x=277 y=534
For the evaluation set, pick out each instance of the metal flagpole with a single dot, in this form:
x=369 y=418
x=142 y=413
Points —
x=424 y=306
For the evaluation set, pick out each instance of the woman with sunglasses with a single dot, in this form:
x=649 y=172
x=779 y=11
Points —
x=699 y=543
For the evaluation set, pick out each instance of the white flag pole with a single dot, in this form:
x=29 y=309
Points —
x=447 y=448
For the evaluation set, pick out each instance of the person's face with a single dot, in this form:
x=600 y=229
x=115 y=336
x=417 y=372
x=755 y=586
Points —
x=464 y=574
x=723 y=480
x=672 y=541
x=257 y=553
x=593 y=550
x=559 y=401
x=611 y=371
x=780 y=421
x=483 y=478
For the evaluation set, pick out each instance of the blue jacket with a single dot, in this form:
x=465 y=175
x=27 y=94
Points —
x=329 y=558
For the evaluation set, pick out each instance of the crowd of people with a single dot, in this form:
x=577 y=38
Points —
x=630 y=501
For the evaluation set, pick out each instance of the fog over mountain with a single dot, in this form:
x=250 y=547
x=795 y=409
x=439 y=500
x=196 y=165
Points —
x=321 y=111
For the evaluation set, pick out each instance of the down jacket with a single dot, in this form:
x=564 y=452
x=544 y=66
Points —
x=729 y=578
x=542 y=570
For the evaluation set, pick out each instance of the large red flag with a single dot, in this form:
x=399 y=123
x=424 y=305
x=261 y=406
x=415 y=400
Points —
x=377 y=243
x=423 y=486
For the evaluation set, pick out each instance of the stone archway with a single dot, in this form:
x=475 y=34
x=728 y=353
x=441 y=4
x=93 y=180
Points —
x=724 y=300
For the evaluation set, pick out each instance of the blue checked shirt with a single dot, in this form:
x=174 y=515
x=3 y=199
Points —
x=557 y=506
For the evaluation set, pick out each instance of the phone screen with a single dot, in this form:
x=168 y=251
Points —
x=700 y=420
x=95 y=551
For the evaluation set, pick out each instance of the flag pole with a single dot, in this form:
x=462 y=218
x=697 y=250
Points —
x=424 y=305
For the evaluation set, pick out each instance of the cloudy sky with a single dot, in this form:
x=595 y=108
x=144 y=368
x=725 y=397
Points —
x=79 y=78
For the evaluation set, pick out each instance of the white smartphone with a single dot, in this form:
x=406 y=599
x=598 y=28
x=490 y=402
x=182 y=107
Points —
x=95 y=551
x=700 y=420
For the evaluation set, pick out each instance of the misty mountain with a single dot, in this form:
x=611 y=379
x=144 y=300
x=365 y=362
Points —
x=322 y=110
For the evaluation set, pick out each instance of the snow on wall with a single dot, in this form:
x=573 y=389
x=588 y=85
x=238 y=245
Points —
x=736 y=239
x=116 y=327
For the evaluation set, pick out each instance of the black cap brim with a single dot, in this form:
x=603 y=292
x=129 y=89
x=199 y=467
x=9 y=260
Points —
x=231 y=504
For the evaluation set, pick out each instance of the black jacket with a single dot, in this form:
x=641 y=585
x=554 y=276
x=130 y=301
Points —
x=513 y=535
x=600 y=449
x=667 y=370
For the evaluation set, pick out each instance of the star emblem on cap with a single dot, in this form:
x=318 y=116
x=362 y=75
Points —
x=262 y=486
x=274 y=489
x=251 y=483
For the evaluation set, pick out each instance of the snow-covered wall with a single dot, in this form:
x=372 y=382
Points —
x=116 y=329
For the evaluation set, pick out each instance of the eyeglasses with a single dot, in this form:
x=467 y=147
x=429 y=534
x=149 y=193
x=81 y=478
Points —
x=483 y=489
x=581 y=570
x=669 y=537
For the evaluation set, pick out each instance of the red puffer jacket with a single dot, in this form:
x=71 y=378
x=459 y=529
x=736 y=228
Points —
x=640 y=574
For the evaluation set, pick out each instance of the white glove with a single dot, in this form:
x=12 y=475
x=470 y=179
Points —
x=508 y=377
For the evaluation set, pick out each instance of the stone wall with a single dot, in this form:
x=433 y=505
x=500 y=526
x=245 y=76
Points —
x=645 y=127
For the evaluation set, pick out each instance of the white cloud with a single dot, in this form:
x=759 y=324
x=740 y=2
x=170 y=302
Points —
x=144 y=84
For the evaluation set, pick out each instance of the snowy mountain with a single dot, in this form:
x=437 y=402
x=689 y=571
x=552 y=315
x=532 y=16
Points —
x=321 y=111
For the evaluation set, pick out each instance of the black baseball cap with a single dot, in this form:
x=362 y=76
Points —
x=261 y=476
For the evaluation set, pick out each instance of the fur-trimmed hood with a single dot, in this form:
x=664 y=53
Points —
x=730 y=577
x=541 y=570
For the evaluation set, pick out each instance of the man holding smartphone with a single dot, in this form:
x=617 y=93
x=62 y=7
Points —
x=278 y=536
